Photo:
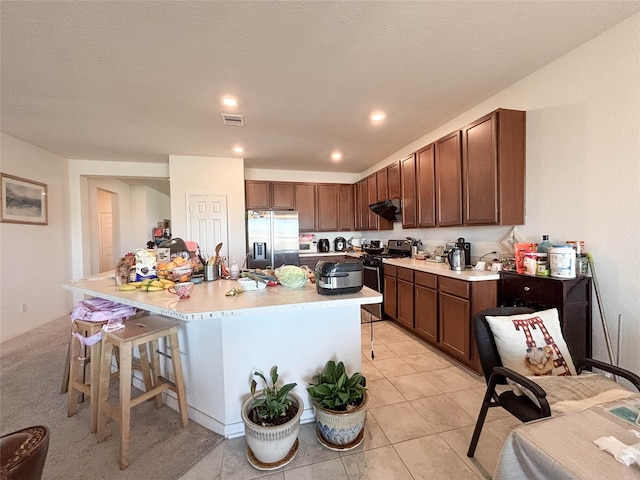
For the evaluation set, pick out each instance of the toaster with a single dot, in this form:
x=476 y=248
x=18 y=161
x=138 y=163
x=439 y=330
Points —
x=336 y=278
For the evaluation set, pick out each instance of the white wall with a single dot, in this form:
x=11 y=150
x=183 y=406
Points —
x=34 y=258
x=209 y=175
x=152 y=207
x=84 y=177
x=583 y=169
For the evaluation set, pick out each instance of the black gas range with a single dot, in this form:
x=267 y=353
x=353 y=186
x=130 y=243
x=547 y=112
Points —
x=373 y=273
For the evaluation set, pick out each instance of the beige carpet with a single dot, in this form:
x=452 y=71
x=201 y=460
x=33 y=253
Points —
x=31 y=367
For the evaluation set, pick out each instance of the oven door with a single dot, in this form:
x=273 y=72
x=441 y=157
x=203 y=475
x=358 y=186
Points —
x=372 y=278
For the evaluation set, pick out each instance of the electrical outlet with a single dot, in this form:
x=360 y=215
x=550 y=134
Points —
x=23 y=308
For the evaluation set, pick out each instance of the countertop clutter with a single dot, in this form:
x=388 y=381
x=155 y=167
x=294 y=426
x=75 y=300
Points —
x=442 y=269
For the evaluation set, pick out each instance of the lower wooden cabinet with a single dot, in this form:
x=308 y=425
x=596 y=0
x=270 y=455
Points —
x=426 y=306
x=439 y=309
x=390 y=292
x=405 y=297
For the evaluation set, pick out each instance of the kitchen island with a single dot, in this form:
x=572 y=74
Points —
x=224 y=339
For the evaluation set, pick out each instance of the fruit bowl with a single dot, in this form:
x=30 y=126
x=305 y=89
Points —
x=177 y=274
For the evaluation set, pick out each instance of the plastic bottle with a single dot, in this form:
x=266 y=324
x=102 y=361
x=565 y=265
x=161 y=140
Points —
x=545 y=245
x=543 y=269
x=234 y=271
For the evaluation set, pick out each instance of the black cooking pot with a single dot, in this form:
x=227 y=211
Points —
x=373 y=250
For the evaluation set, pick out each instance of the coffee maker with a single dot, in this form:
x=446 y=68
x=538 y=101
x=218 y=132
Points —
x=339 y=244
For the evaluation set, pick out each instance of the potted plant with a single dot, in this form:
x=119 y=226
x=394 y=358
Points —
x=340 y=403
x=271 y=422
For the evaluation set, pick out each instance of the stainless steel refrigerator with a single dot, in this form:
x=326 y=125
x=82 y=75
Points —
x=272 y=238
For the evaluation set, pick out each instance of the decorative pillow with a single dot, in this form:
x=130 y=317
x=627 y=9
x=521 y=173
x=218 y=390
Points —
x=532 y=344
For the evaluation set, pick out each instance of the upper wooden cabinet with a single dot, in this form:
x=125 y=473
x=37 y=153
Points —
x=448 y=180
x=381 y=185
x=282 y=196
x=493 y=169
x=264 y=195
x=327 y=207
x=426 y=187
x=408 y=175
x=306 y=206
x=394 y=181
x=372 y=197
x=257 y=195
x=346 y=207
x=362 y=206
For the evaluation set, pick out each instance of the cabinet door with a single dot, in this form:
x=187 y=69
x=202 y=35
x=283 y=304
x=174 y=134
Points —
x=327 y=207
x=408 y=174
x=282 y=196
x=390 y=296
x=480 y=170
x=381 y=185
x=306 y=206
x=448 y=181
x=346 y=207
x=393 y=180
x=405 y=303
x=372 y=197
x=454 y=325
x=363 y=205
x=426 y=313
x=425 y=187
x=256 y=195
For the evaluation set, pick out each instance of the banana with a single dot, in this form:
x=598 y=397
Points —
x=127 y=287
x=151 y=288
x=135 y=284
x=156 y=283
x=167 y=282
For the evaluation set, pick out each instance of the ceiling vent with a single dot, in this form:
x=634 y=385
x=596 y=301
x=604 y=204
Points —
x=229 y=119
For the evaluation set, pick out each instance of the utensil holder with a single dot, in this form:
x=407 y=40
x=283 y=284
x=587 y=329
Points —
x=211 y=272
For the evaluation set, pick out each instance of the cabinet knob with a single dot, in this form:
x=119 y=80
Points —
x=526 y=289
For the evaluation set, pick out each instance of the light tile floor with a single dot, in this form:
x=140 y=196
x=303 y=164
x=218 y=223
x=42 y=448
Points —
x=421 y=413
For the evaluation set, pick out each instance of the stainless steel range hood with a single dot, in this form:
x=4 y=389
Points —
x=388 y=209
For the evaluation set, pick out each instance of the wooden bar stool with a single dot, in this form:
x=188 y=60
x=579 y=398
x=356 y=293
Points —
x=79 y=357
x=138 y=333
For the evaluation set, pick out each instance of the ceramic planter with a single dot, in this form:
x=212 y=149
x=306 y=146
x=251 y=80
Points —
x=272 y=447
x=341 y=430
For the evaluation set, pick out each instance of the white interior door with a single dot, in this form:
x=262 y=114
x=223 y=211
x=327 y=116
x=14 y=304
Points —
x=207 y=222
x=106 y=241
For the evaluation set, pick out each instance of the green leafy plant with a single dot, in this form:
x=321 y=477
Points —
x=333 y=389
x=273 y=406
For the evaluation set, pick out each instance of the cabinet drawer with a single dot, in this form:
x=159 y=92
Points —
x=545 y=291
x=390 y=270
x=424 y=279
x=459 y=288
x=405 y=274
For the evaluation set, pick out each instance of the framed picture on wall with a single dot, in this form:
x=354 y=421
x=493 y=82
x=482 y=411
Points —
x=23 y=201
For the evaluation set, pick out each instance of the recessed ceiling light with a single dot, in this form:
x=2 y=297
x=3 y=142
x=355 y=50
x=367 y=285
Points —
x=335 y=156
x=230 y=101
x=238 y=149
x=377 y=116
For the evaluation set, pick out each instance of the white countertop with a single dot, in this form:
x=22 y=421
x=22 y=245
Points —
x=208 y=299
x=443 y=269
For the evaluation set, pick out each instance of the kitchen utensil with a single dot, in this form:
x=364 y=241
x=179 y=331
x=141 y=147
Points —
x=339 y=244
x=217 y=257
x=456 y=259
x=373 y=250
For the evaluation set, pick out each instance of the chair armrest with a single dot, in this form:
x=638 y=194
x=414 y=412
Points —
x=607 y=367
x=530 y=385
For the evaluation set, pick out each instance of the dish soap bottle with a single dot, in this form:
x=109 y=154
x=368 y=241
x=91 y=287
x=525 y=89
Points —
x=234 y=271
x=543 y=268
